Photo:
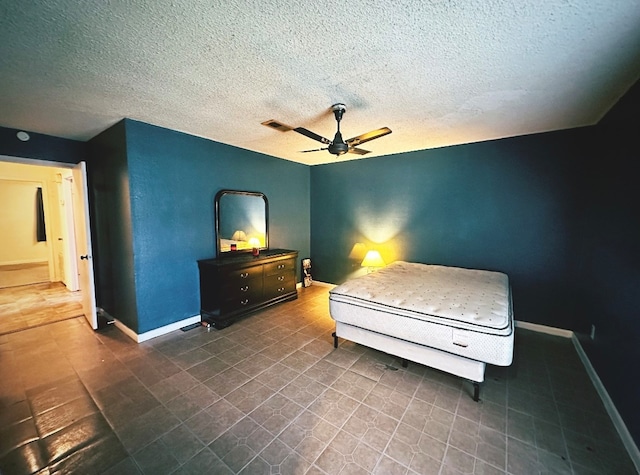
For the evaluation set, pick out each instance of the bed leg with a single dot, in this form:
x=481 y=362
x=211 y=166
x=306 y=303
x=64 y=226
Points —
x=405 y=363
x=335 y=340
x=476 y=391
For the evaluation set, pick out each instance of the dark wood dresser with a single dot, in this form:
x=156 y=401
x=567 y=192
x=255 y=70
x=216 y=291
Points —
x=234 y=285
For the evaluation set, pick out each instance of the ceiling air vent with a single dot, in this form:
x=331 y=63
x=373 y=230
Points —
x=274 y=124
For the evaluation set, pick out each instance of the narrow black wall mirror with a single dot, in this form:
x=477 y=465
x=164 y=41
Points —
x=242 y=222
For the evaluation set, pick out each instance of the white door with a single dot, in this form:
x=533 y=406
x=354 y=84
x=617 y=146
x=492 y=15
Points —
x=84 y=254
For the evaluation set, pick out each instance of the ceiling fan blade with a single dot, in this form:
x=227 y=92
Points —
x=374 y=134
x=312 y=135
x=358 y=151
x=314 y=150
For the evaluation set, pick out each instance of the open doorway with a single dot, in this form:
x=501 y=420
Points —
x=66 y=285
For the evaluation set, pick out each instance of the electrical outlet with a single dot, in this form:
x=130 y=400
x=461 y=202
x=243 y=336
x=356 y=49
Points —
x=593 y=332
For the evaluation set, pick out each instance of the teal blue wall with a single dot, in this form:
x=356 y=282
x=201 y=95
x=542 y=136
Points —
x=41 y=147
x=503 y=205
x=112 y=236
x=608 y=249
x=173 y=179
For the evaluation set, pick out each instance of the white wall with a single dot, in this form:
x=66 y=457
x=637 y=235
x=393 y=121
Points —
x=17 y=215
x=18 y=223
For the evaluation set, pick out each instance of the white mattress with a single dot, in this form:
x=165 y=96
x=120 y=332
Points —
x=466 y=312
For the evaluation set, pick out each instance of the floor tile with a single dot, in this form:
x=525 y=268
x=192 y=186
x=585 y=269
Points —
x=270 y=394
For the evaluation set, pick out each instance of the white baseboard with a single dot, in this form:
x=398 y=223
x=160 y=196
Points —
x=24 y=261
x=544 y=329
x=619 y=424
x=139 y=338
x=323 y=284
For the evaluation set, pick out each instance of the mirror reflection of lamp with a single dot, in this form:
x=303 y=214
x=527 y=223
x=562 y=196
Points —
x=372 y=260
x=255 y=244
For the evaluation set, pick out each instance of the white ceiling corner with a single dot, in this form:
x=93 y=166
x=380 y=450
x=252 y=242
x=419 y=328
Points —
x=437 y=73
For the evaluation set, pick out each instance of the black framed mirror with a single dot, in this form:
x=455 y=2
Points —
x=242 y=222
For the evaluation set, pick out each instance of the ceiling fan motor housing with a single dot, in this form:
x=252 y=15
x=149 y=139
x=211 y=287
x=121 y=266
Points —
x=338 y=147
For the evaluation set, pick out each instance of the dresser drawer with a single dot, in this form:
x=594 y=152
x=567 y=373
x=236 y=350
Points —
x=276 y=285
x=235 y=303
x=235 y=287
x=280 y=267
x=242 y=274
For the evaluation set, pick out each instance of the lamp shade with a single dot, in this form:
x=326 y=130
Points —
x=358 y=252
x=373 y=259
x=254 y=242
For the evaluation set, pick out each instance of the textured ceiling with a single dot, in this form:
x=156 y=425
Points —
x=437 y=72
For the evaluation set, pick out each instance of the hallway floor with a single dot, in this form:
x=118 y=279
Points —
x=270 y=395
x=29 y=306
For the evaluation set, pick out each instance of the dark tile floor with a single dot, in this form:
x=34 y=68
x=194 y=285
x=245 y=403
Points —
x=270 y=395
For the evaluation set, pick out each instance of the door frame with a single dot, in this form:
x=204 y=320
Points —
x=70 y=244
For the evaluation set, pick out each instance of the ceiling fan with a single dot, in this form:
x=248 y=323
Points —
x=337 y=146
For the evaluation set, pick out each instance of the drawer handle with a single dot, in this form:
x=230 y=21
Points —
x=281 y=289
x=244 y=302
x=245 y=288
x=244 y=275
x=281 y=278
x=281 y=266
